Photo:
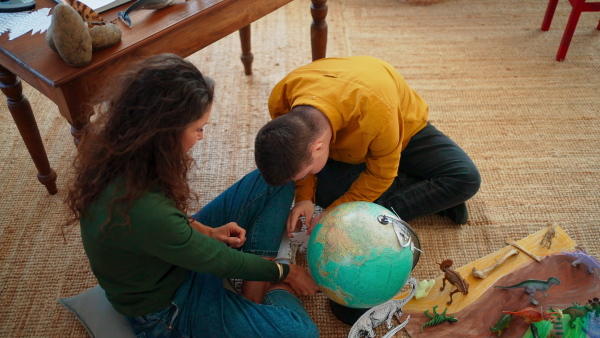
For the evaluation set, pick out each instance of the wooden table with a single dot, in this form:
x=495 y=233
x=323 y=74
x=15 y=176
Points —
x=183 y=29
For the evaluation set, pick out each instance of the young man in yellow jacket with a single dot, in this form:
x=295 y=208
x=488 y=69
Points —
x=355 y=126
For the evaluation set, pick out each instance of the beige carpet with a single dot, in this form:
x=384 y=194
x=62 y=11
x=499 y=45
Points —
x=531 y=124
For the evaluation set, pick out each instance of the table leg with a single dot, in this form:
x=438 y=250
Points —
x=20 y=109
x=318 y=29
x=247 y=56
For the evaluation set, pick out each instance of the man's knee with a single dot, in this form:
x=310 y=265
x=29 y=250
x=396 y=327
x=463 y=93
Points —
x=469 y=181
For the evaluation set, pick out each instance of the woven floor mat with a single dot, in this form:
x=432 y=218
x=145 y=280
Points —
x=487 y=71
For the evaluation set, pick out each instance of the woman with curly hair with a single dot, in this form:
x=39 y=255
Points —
x=162 y=269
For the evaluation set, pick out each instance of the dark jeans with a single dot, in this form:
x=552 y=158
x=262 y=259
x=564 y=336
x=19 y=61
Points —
x=434 y=174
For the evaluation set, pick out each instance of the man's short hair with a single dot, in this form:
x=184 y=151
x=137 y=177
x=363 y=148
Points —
x=282 y=146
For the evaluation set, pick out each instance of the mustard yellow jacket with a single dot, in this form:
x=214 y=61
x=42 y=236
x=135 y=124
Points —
x=373 y=113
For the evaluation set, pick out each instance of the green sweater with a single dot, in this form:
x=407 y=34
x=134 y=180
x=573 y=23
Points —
x=140 y=266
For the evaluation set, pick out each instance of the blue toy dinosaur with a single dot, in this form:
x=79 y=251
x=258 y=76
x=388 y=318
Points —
x=532 y=286
x=585 y=258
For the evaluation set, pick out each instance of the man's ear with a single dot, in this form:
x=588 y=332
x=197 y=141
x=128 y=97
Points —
x=316 y=146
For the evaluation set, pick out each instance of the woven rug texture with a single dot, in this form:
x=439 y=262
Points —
x=489 y=74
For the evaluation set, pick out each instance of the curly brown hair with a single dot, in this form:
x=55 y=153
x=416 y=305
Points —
x=136 y=136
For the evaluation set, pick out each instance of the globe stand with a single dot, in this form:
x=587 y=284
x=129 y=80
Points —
x=346 y=314
x=350 y=315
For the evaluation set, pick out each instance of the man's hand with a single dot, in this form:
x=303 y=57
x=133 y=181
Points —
x=231 y=234
x=303 y=208
x=310 y=226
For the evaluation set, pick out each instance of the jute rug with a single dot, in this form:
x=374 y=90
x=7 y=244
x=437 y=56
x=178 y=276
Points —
x=488 y=72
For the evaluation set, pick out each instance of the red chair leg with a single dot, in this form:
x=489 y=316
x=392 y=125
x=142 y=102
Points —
x=549 y=14
x=569 y=30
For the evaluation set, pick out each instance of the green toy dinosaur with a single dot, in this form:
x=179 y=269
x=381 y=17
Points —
x=438 y=318
x=532 y=286
x=595 y=304
x=501 y=324
x=577 y=311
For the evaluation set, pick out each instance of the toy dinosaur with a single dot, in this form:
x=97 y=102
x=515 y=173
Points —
x=531 y=315
x=424 y=287
x=577 y=311
x=438 y=318
x=595 y=304
x=532 y=286
x=547 y=240
x=382 y=313
x=558 y=330
x=583 y=257
x=453 y=278
x=501 y=324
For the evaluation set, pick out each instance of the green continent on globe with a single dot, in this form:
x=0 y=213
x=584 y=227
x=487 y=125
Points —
x=357 y=261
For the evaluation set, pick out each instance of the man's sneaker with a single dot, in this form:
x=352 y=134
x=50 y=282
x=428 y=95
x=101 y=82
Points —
x=458 y=213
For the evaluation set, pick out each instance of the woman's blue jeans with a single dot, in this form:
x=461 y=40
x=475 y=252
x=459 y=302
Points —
x=434 y=174
x=202 y=307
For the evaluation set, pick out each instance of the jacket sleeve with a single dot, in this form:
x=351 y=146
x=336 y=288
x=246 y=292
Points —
x=305 y=189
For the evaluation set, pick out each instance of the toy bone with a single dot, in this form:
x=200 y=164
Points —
x=453 y=278
x=143 y=4
x=382 y=313
x=583 y=257
x=485 y=272
x=547 y=240
x=531 y=315
x=516 y=245
x=532 y=286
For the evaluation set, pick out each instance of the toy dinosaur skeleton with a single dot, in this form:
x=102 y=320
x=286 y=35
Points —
x=547 y=240
x=383 y=313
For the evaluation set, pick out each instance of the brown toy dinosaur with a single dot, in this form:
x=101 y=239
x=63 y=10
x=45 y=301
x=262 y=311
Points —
x=453 y=278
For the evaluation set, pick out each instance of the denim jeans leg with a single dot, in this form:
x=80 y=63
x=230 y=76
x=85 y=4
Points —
x=257 y=207
x=206 y=309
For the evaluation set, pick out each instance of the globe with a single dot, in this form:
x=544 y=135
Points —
x=357 y=258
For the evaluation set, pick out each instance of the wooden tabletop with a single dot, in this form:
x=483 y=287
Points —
x=182 y=28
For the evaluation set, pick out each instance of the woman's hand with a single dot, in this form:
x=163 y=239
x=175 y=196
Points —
x=301 y=281
x=231 y=234
x=303 y=208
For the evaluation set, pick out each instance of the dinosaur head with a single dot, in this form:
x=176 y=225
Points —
x=547 y=315
x=446 y=263
x=553 y=280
